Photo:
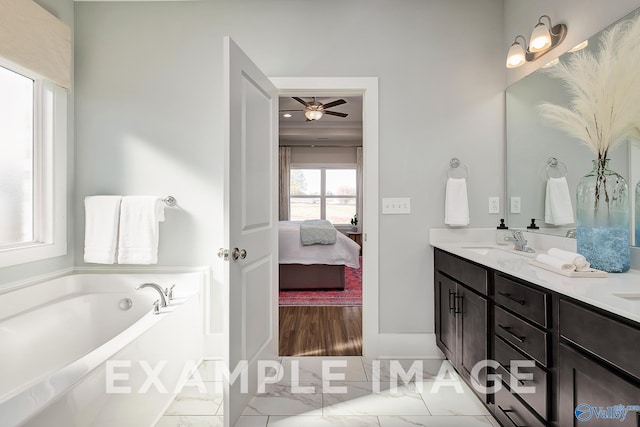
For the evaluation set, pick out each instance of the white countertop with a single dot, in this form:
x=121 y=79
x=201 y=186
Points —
x=479 y=246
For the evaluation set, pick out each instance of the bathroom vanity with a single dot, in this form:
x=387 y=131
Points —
x=582 y=335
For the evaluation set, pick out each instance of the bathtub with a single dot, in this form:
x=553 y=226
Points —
x=76 y=350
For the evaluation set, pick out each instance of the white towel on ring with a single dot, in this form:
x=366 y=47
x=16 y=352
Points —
x=102 y=215
x=555 y=262
x=140 y=229
x=557 y=204
x=574 y=258
x=456 y=205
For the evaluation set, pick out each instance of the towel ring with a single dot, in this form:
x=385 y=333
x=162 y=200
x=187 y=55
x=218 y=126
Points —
x=556 y=168
x=457 y=169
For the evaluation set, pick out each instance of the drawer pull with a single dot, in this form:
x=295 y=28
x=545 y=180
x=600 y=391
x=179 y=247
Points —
x=508 y=296
x=458 y=306
x=506 y=414
x=452 y=306
x=508 y=330
x=521 y=382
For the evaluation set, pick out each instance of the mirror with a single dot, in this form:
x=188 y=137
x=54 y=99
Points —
x=532 y=146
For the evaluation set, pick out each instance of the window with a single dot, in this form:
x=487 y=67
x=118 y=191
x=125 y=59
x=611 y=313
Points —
x=323 y=192
x=33 y=178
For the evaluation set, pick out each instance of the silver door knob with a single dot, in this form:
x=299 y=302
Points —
x=238 y=254
x=223 y=254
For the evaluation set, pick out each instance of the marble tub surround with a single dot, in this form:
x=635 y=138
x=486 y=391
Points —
x=617 y=293
x=358 y=405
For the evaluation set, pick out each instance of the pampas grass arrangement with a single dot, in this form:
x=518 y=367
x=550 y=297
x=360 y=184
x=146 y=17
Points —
x=605 y=91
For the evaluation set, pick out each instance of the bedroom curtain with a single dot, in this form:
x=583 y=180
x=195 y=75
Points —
x=359 y=184
x=284 y=179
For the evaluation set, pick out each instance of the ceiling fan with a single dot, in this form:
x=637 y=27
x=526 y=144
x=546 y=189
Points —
x=314 y=110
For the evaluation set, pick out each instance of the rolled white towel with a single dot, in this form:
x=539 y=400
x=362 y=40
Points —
x=574 y=258
x=555 y=262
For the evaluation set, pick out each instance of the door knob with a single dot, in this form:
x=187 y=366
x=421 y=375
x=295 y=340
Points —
x=223 y=254
x=238 y=254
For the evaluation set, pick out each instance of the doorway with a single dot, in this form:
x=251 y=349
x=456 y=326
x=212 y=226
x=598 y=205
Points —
x=349 y=328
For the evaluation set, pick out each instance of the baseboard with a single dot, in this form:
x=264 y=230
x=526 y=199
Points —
x=408 y=346
x=214 y=344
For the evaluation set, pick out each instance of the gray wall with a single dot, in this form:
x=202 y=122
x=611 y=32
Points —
x=582 y=17
x=63 y=10
x=149 y=116
x=323 y=155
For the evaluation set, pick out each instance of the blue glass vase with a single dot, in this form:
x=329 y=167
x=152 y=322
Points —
x=603 y=219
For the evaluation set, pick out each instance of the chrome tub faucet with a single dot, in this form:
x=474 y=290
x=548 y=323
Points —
x=164 y=300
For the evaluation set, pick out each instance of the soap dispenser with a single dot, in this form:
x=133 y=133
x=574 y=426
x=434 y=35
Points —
x=533 y=226
x=502 y=232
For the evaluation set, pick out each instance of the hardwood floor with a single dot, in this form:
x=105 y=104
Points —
x=320 y=331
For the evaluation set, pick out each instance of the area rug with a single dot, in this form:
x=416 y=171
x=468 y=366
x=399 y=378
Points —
x=351 y=295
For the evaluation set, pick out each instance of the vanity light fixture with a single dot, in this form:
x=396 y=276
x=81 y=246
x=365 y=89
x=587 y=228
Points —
x=543 y=39
x=551 y=63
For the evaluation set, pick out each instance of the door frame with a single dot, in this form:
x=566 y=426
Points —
x=367 y=87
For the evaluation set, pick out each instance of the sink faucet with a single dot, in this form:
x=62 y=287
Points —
x=571 y=233
x=164 y=301
x=519 y=242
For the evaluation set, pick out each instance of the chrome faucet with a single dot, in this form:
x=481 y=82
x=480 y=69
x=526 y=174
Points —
x=164 y=301
x=519 y=242
x=571 y=233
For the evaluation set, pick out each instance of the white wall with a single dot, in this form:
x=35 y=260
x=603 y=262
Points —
x=149 y=115
x=323 y=155
x=583 y=18
x=63 y=10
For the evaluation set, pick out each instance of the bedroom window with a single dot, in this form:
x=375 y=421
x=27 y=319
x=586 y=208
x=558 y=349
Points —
x=323 y=192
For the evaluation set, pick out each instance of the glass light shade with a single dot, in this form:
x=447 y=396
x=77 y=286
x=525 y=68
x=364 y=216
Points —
x=540 y=38
x=515 y=57
x=313 y=114
x=579 y=46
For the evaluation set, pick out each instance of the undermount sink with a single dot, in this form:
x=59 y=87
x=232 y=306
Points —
x=628 y=296
x=482 y=250
x=497 y=252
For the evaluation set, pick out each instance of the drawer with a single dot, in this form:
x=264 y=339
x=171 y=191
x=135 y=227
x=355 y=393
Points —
x=504 y=354
x=513 y=413
x=471 y=275
x=521 y=334
x=527 y=302
x=607 y=338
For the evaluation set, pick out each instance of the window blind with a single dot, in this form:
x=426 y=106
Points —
x=35 y=40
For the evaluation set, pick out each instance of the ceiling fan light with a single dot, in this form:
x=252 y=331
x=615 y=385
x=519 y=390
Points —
x=515 y=56
x=313 y=114
x=540 y=38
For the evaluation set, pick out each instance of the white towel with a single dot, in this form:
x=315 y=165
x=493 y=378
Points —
x=140 y=229
x=574 y=258
x=456 y=205
x=557 y=205
x=102 y=214
x=555 y=262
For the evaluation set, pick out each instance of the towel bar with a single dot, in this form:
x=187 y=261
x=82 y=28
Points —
x=170 y=201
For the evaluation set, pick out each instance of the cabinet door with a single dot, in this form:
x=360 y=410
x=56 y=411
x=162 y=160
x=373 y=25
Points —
x=445 y=315
x=472 y=332
x=589 y=391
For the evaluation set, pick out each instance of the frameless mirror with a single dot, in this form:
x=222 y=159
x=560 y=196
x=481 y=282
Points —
x=537 y=151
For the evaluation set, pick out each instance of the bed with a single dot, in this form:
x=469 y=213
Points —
x=315 y=266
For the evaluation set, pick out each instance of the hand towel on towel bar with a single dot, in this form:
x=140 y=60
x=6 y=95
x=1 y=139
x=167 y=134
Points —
x=456 y=205
x=140 y=229
x=557 y=204
x=102 y=215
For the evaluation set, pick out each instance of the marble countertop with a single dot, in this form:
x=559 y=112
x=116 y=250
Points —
x=618 y=293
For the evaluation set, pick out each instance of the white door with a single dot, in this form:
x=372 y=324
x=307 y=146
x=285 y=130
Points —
x=251 y=273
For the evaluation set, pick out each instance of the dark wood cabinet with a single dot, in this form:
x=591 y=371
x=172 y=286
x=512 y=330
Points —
x=590 y=390
x=583 y=357
x=462 y=330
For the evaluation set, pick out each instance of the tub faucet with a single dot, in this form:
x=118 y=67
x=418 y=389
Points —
x=164 y=301
x=519 y=242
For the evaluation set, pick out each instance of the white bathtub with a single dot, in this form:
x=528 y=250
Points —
x=61 y=339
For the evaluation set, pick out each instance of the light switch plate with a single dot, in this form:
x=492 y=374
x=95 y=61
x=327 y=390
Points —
x=515 y=205
x=396 y=205
x=494 y=205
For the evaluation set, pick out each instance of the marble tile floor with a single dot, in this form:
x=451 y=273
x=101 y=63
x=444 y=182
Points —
x=349 y=401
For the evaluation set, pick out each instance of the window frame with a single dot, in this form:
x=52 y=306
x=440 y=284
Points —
x=49 y=174
x=323 y=167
